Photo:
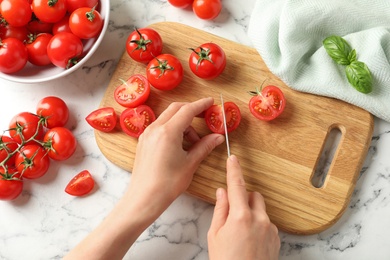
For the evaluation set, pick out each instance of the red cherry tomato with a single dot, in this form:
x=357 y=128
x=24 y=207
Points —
x=103 y=119
x=181 y=3
x=207 y=61
x=19 y=33
x=214 y=118
x=65 y=49
x=81 y=184
x=13 y=55
x=37 y=49
x=7 y=147
x=267 y=104
x=11 y=184
x=133 y=92
x=49 y=11
x=85 y=23
x=16 y=12
x=62 y=25
x=164 y=72
x=32 y=161
x=135 y=120
x=60 y=143
x=36 y=26
x=55 y=110
x=72 y=5
x=143 y=45
x=207 y=9
x=24 y=126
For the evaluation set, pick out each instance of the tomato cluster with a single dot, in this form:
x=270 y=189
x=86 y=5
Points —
x=46 y=32
x=33 y=140
x=204 y=9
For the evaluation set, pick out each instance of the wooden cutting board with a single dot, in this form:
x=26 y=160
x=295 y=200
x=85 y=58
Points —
x=278 y=157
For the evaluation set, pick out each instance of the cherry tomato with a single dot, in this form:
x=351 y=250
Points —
x=181 y=3
x=207 y=9
x=65 y=49
x=143 y=45
x=60 y=143
x=16 y=12
x=11 y=184
x=24 y=126
x=13 y=55
x=133 y=92
x=207 y=61
x=36 y=26
x=62 y=25
x=7 y=146
x=267 y=104
x=214 y=117
x=85 y=23
x=164 y=72
x=55 y=110
x=135 y=120
x=19 y=33
x=72 y=5
x=103 y=119
x=37 y=49
x=49 y=11
x=32 y=161
x=81 y=184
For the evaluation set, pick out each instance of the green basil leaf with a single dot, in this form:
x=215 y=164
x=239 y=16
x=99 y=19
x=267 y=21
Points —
x=338 y=49
x=352 y=56
x=359 y=76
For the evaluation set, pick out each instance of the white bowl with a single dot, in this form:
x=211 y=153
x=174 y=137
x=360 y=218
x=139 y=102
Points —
x=36 y=74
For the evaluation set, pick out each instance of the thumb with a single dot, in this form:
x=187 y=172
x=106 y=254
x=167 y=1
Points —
x=221 y=211
x=201 y=149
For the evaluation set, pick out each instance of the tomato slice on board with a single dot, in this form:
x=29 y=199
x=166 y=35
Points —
x=102 y=119
x=81 y=184
x=134 y=120
x=214 y=117
x=267 y=104
x=133 y=92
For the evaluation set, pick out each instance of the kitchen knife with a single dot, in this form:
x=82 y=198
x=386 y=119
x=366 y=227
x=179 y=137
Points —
x=225 y=126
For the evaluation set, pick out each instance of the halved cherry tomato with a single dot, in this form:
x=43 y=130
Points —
x=81 y=184
x=60 y=143
x=164 y=72
x=11 y=184
x=103 y=119
x=135 y=120
x=181 y=3
x=24 y=126
x=207 y=61
x=214 y=117
x=207 y=9
x=144 y=44
x=133 y=92
x=32 y=161
x=267 y=104
x=55 y=110
x=7 y=146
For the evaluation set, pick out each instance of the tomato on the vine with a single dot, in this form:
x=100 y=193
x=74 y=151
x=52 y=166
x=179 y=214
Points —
x=54 y=110
x=207 y=61
x=13 y=55
x=268 y=103
x=164 y=72
x=7 y=147
x=144 y=44
x=65 y=49
x=25 y=126
x=181 y=3
x=37 y=49
x=134 y=121
x=81 y=184
x=16 y=12
x=103 y=119
x=133 y=92
x=85 y=22
x=60 y=143
x=49 y=11
x=32 y=161
x=11 y=184
x=214 y=117
x=207 y=9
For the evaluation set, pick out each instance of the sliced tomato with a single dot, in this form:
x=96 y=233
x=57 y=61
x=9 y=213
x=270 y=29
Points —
x=214 y=117
x=135 y=120
x=102 y=119
x=81 y=184
x=268 y=103
x=133 y=92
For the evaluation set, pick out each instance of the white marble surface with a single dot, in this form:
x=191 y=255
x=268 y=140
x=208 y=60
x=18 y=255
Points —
x=45 y=222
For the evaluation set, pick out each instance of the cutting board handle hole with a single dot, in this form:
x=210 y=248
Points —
x=324 y=163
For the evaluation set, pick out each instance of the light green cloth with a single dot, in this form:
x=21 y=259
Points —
x=288 y=34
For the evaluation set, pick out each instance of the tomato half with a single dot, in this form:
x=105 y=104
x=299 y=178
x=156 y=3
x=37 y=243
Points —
x=103 y=119
x=207 y=61
x=135 y=120
x=144 y=44
x=65 y=49
x=7 y=146
x=164 y=72
x=37 y=49
x=133 y=92
x=81 y=184
x=207 y=9
x=32 y=161
x=181 y=3
x=13 y=55
x=11 y=185
x=267 y=104
x=85 y=22
x=60 y=143
x=54 y=109
x=214 y=117
x=25 y=126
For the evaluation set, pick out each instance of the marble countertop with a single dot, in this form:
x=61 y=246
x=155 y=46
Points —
x=45 y=222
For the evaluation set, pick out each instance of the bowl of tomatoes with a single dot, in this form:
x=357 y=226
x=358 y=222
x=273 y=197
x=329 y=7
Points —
x=38 y=45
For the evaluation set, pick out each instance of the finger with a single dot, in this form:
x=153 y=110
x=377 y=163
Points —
x=238 y=196
x=256 y=201
x=199 y=151
x=169 y=112
x=190 y=135
x=221 y=210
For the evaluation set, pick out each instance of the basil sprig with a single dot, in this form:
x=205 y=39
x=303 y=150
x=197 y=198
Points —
x=358 y=74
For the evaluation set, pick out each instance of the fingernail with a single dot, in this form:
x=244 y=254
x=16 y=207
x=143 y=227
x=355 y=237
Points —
x=220 y=139
x=219 y=193
x=233 y=159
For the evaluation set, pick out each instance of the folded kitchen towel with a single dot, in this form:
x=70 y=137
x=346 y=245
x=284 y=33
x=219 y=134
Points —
x=288 y=34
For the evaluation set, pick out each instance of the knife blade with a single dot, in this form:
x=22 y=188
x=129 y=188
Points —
x=225 y=126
